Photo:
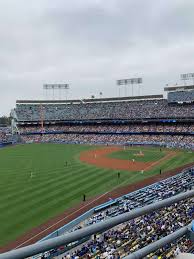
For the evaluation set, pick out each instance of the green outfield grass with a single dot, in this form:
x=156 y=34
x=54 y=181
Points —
x=35 y=184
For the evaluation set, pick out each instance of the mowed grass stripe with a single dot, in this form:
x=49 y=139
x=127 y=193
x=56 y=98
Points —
x=38 y=186
x=21 y=172
x=182 y=158
x=57 y=195
x=24 y=176
x=55 y=204
x=38 y=189
x=37 y=179
x=48 y=163
x=58 y=187
x=78 y=190
x=29 y=168
x=42 y=175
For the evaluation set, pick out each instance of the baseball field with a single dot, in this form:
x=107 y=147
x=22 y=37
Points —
x=40 y=181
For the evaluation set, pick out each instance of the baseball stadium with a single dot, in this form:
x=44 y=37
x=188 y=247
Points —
x=99 y=177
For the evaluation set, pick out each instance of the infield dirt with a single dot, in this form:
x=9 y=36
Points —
x=99 y=158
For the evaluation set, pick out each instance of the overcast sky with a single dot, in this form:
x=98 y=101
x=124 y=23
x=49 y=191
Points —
x=91 y=43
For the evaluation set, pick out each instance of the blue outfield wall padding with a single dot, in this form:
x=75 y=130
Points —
x=106 y=133
x=148 y=143
x=4 y=144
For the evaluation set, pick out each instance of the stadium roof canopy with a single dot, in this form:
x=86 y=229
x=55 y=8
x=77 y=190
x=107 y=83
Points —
x=175 y=88
x=92 y=100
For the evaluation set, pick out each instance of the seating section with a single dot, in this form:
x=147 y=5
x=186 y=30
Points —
x=151 y=127
x=65 y=118
x=146 y=196
x=103 y=110
x=135 y=234
x=162 y=129
x=181 y=96
x=5 y=134
x=167 y=140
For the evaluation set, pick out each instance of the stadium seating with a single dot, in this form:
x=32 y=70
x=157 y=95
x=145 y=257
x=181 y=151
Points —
x=5 y=134
x=166 y=140
x=110 y=128
x=181 y=96
x=145 y=122
x=103 y=110
x=135 y=234
x=57 y=117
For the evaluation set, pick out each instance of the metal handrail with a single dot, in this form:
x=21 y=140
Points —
x=90 y=230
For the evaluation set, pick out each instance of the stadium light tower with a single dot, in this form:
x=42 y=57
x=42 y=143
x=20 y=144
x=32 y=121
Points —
x=129 y=81
x=59 y=87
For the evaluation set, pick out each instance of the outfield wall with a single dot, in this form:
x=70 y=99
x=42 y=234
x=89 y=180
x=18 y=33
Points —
x=4 y=144
x=147 y=143
x=171 y=133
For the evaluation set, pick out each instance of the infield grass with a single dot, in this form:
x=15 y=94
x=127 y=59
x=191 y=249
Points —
x=149 y=154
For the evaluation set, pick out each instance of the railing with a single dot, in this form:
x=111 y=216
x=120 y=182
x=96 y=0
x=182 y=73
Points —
x=90 y=230
x=105 y=205
x=158 y=244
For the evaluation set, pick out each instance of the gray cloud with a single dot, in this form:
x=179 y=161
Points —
x=92 y=43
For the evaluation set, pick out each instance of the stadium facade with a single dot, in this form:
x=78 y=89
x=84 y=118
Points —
x=145 y=120
x=127 y=120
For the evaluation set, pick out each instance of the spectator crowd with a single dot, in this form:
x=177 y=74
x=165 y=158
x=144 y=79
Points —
x=163 y=140
x=181 y=96
x=5 y=134
x=128 y=237
x=137 y=233
x=103 y=110
x=151 y=127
